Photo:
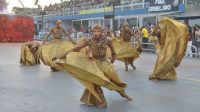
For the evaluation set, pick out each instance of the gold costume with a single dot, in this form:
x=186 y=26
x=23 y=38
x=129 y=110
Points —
x=124 y=48
x=172 y=37
x=30 y=53
x=93 y=70
x=56 y=46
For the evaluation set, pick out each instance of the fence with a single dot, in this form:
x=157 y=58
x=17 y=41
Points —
x=149 y=49
x=194 y=54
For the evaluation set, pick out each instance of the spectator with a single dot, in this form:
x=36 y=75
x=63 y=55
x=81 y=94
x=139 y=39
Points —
x=189 y=46
x=145 y=35
x=197 y=36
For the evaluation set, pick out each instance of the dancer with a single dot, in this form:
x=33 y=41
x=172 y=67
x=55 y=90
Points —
x=126 y=51
x=56 y=46
x=30 y=53
x=93 y=70
x=172 y=37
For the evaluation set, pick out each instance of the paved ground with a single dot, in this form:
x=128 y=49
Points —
x=37 y=89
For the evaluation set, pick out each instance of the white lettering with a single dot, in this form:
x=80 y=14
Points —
x=159 y=2
x=160 y=8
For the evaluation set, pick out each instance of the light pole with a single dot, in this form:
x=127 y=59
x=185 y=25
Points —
x=113 y=17
x=42 y=13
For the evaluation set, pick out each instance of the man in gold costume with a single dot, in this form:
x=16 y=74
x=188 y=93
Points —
x=130 y=53
x=95 y=70
x=56 y=46
x=30 y=53
x=172 y=37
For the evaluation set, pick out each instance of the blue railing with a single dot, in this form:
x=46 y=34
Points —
x=105 y=9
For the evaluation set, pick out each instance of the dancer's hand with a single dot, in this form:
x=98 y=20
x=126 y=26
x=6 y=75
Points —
x=74 y=43
x=62 y=55
x=43 y=42
x=54 y=58
x=112 y=60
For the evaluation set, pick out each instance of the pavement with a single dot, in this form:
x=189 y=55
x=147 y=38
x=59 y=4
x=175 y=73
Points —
x=37 y=89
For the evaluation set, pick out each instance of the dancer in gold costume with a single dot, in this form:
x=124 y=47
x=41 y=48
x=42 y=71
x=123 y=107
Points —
x=30 y=53
x=124 y=48
x=93 y=70
x=56 y=46
x=172 y=36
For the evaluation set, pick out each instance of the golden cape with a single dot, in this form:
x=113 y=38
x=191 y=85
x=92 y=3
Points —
x=173 y=43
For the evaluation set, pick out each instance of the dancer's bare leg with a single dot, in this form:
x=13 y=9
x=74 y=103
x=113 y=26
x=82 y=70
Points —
x=123 y=94
x=126 y=63
x=102 y=104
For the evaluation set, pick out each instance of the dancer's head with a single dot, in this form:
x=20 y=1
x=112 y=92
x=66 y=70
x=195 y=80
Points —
x=59 y=23
x=126 y=26
x=97 y=31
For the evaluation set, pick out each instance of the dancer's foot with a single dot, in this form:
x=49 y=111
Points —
x=127 y=97
x=102 y=105
x=134 y=67
x=155 y=80
x=53 y=69
x=126 y=68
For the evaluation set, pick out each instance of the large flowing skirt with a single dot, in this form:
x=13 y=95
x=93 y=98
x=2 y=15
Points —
x=124 y=50
x=173 y=43
x=91 y=73
x=53 y=49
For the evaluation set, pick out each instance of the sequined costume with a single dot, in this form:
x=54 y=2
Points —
x=172 y=37
x=30 y=53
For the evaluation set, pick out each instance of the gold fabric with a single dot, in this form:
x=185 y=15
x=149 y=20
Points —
x=154 y=39
x=28 y=57
x=124 y=50
x=91 y=72
x=173 y=42
x=53 y=49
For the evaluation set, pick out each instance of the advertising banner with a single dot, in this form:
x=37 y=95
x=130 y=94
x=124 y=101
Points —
x=15 y=28
x=163 y=5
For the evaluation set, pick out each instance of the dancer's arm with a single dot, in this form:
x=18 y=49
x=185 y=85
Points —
x=76 y=49
x=68 y=35
x=46 y=38
x=113 y=54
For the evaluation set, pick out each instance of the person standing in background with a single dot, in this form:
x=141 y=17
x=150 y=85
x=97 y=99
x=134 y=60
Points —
x=145 y=35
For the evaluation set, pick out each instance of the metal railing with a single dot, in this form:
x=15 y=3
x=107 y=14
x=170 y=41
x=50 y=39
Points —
x=149 y=49
x=92 y=11
x=194 y=54
x=198 y=53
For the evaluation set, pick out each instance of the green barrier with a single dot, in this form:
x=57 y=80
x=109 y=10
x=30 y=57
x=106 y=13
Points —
x=92 y=11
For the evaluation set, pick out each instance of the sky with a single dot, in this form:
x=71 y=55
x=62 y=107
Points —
x=30 y=3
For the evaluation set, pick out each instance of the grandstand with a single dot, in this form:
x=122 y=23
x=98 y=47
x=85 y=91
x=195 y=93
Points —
x=86 y=13
x=77 y=14
x=3 y=7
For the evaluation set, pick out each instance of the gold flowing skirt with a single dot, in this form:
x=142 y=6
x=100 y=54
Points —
x=27 y=57
x=91 y=73
x=53 y=49
x=124 y=50
x=173 y=43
